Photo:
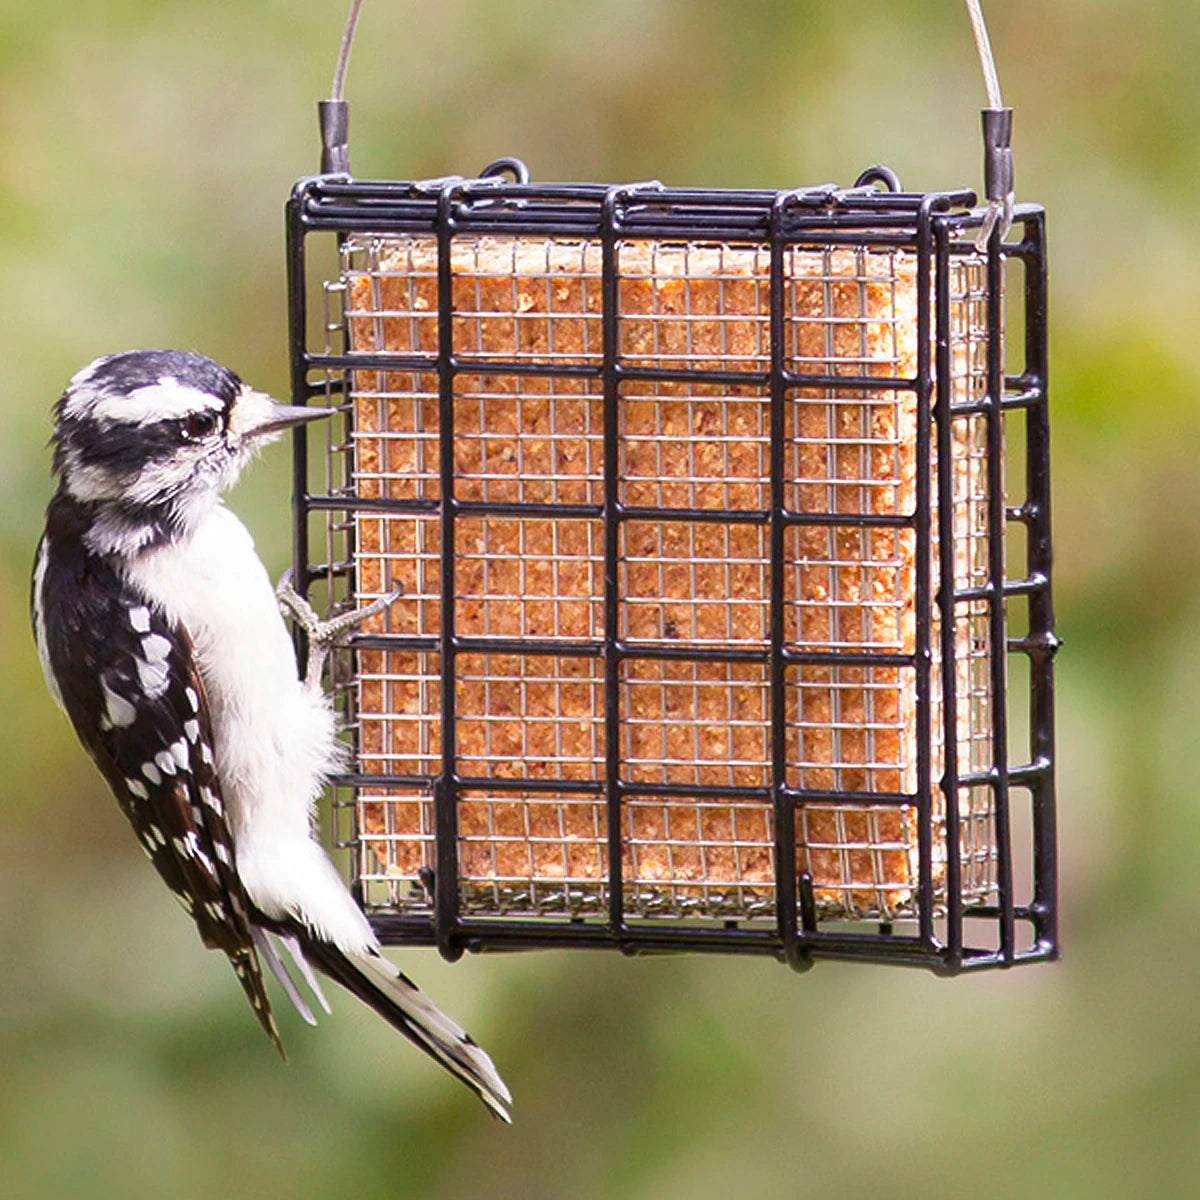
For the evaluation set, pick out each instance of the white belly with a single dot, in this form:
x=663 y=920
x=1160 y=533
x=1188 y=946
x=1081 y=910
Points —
x=273 y=739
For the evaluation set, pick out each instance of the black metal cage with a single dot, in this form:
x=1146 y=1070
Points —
x=722 y=528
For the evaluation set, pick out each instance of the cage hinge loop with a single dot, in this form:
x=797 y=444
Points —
x=507 y=165
x=879 y=174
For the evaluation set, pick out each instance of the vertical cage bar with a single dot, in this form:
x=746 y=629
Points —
x=943 y=416
x=924 y=577
x=784 y=804
x=445 y=793
x=610 y=375
x=298 y=338
x=997 y=631
x=1042 y=640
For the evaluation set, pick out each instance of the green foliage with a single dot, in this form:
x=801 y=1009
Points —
x=149 y=148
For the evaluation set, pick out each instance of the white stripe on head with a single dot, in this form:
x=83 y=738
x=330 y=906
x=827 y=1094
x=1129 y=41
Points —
x=85 y=373
x=166 y=400
x=86 y=483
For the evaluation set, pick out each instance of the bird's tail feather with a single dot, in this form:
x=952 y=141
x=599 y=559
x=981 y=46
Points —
x=383 y=987
x=249 y=974
x=292 y=946
x=269 y=955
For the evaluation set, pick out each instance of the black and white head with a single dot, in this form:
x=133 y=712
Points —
x=147 y=440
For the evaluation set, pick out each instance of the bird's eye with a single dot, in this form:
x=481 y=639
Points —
x=199 y=425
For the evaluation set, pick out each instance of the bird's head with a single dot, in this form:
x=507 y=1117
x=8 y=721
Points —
x=150 y=438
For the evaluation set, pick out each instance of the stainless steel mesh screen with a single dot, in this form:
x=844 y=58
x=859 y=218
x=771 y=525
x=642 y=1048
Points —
x=693 y=573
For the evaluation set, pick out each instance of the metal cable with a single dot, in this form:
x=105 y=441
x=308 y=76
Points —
x=333 y=114
x=997 y=132
x=991 y=80
x=343 y=61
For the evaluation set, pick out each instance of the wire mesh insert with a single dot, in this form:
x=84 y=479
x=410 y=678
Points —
x=698 y=505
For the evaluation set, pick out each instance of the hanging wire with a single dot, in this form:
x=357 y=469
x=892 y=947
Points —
x=997 y=138
x=343 y=61
x=334 y=114
x=983 y=44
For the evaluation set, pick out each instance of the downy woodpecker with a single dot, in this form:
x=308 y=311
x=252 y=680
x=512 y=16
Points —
x=162 y=638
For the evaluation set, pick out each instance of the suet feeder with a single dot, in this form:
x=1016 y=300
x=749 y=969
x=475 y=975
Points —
x=721 y=524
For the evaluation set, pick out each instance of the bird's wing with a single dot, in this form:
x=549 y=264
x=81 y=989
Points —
x=130 y=685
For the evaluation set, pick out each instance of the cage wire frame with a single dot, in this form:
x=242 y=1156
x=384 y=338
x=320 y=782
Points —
x=947 y=926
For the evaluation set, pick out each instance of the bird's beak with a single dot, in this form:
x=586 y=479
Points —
x=284 y=416
x=261 y=417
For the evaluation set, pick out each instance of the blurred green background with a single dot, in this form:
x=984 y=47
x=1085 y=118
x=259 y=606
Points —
x=148 y=148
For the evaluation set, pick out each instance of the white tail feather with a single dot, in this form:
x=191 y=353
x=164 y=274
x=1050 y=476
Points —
x=293 y=948
x=263 y=941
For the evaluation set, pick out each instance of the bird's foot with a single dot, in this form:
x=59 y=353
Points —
x=323 y=635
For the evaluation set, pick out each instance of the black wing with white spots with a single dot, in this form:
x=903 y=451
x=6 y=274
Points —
x=128 y=681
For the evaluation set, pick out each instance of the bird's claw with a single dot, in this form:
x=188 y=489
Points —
x=323 y=635
x=295 y=605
